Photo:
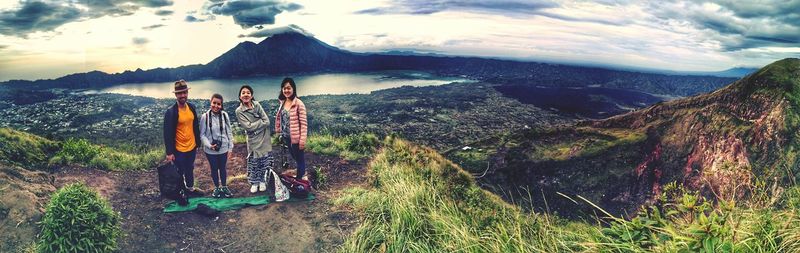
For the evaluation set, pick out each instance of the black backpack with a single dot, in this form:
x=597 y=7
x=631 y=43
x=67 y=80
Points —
x=170 y=183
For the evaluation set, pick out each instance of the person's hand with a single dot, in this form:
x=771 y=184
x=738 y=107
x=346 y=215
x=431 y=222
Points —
x=214 y=147
x=170 y=158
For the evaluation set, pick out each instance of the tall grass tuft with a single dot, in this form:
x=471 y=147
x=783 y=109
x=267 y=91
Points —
x=421 y=202
x=83 y=153
x=350 y=147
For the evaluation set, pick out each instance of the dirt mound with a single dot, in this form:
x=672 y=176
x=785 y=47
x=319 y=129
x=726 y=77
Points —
x=23 y=197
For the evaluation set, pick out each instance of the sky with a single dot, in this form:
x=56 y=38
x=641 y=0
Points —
x=42 y=39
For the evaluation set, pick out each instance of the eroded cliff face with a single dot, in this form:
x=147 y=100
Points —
x=718 y=143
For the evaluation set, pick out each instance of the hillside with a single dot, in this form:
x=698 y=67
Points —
x=724 y=144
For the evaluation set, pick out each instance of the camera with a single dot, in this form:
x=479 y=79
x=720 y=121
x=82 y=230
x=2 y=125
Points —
x=218 y=143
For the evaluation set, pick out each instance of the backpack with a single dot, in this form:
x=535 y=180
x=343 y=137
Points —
x=298 y=188
x=170 y=183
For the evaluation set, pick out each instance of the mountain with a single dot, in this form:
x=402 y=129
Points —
x=737 y=72
x=292 y=53
x=722 y=144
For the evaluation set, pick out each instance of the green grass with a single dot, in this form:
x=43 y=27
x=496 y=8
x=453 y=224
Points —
x=418 y=201
x=24 y=149
x=81 y=152
x=421 y=202
x=350 y=147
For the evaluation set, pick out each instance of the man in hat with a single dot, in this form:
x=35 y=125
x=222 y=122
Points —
x=182 y=135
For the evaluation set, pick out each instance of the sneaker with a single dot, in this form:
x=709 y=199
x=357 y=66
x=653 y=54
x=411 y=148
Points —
x=262 y=186
x=226 y=192
x=217 y=192
x=253 y=188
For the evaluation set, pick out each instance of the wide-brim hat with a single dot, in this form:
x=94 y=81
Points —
x=181 y=86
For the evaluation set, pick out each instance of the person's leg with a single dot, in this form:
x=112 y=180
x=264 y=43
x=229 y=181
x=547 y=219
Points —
x=299 y=157
x=252 y=170
x=223 y=170
x=180 y=163
x=191 y=155
x=213 y=163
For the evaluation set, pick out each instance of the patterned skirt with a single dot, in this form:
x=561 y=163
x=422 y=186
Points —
x=258 y=167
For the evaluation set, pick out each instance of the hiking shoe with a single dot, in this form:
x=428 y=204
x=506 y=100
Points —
x=226 y=192
x=254 y=188
x=217 y=192
x=262 y=186
x=194 y=192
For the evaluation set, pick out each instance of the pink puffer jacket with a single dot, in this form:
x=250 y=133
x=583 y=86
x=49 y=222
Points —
x=298 y=123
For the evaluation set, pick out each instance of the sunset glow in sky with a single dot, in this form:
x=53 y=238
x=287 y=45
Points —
x=49 y=39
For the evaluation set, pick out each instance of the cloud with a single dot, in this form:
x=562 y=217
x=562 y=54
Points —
x=100 y=8
x=47 y=15
x=191 y=18
x=151 y=27
x=249 y=13
x=738 y=25
x=140 y=41
x=164 y=12
x=278 y=30
x=35 y=16
x=420 y=7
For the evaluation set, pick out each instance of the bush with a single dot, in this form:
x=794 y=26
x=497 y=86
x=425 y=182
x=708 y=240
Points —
x=109 y=159
x=81 y=152
x=78 y=151
x=77 y=219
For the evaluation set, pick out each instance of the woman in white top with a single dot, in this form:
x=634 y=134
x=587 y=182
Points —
x=217 y=138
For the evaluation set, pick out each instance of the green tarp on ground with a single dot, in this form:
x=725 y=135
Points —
x=224 y=204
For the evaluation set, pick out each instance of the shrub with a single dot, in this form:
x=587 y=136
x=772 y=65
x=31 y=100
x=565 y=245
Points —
x=77 y=219
x=78 y=151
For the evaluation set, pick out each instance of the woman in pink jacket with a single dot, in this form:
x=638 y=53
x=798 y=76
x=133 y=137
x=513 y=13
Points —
x=291 y=123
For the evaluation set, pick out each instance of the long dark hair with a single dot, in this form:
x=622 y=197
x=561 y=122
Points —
x=294 y=89
x=252 y=95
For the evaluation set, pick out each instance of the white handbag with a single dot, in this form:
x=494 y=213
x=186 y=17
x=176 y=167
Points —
x=281 y=191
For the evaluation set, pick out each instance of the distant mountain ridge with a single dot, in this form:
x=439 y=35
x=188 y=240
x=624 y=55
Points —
x=291 y=53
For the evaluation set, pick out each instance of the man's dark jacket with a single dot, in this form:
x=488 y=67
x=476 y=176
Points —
x=171 y=126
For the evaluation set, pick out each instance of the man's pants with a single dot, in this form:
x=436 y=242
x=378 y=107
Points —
x=185 y=163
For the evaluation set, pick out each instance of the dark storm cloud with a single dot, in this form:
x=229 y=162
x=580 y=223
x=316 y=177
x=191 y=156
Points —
x=33 y=16
x=44 y=16
x=739 y=25
x=249 y=13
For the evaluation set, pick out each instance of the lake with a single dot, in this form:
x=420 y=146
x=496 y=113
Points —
x=269 y=87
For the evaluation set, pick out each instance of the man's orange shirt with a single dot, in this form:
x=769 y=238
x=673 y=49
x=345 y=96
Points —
x=184 y=136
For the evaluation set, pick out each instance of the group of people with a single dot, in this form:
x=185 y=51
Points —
x=184 y=133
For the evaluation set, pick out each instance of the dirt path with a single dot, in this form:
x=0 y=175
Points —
x=314 y=226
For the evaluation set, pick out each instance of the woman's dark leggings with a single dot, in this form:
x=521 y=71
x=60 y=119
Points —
x=299 y=157
x=218 y=171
